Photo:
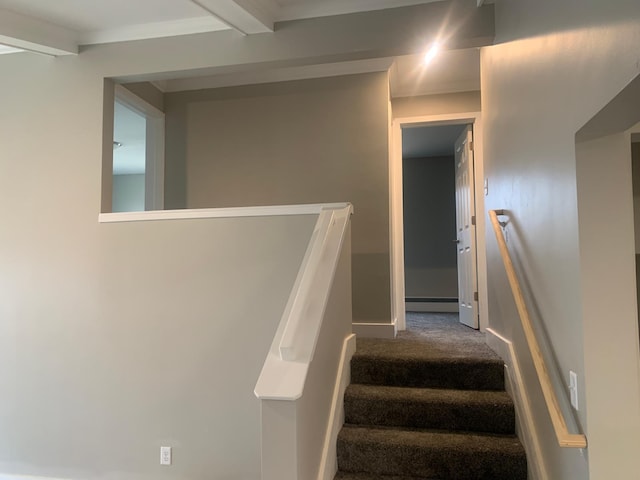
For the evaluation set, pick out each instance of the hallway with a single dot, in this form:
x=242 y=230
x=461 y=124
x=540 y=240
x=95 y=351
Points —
x=444 y=332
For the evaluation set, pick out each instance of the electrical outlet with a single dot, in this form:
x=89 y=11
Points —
x=486 y=187
x=573 y=388
x=165 y=455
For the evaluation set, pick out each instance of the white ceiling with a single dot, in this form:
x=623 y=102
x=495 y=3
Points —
x=59 y=27
x=93 y=15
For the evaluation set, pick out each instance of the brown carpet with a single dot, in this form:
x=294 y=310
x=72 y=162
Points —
x=429 y=404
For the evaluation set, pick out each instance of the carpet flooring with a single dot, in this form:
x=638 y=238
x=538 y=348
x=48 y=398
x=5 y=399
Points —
x=429 y=404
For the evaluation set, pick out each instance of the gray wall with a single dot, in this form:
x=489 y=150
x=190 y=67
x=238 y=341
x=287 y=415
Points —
x=136 y=341
x=128 y=193
x=635 y=159
x=540 y=86
x=635 y=168
x=148 y=92
x=429 y=227
x=93 y=314
x=311 y=141
x=462 y=102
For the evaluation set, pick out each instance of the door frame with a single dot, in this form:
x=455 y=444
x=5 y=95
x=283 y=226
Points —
x=154 y=161
x=396 y=209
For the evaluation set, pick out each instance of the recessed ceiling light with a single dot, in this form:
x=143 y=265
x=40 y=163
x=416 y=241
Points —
x=434 y=49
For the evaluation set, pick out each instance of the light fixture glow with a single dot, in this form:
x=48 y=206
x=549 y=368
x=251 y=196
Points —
x=431 y=53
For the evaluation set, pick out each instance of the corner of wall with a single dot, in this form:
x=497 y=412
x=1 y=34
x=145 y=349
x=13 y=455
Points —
x=517 y=389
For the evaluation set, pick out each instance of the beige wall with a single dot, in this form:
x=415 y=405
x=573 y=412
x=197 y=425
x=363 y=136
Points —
x=148 y=92
x=135 y=339
x=635 y=159
x=117 y=338
x=463 y=102
x=310 y=141
x=553 y=68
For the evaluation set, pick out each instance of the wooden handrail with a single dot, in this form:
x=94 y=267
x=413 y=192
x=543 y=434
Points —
x=565 y=439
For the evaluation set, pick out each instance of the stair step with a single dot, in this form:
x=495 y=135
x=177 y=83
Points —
x=428 y=372
x=429 y=454
x=482 y=411
x=369 y=476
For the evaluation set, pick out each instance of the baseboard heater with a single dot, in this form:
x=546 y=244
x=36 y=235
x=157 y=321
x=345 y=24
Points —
x=430 y=300
x=431 y=304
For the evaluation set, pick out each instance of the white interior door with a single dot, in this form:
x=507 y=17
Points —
x=466 y=230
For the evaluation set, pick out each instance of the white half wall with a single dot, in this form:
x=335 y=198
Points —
x=144 y=334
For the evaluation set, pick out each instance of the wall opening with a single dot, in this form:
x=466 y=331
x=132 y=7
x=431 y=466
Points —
x=609 y=304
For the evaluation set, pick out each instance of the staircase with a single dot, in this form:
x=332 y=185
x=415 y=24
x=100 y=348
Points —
x=429 y=404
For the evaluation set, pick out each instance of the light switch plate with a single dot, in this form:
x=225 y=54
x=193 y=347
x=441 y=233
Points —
x=165 y=455
x=573 y=388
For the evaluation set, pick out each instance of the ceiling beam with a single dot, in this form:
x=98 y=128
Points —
x=27 y=33
x=316 y=41
x=245 y=16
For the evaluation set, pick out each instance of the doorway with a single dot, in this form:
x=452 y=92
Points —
x=136 y=163
x=428 y=279
x=429 y=218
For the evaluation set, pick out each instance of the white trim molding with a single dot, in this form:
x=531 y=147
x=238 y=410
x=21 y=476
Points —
x=396 y=207
x=27 y=477
x=329 y=462
x=169 y=28
x=34 y=35
x=374 y=330
x=526 y=427
x=231 y=212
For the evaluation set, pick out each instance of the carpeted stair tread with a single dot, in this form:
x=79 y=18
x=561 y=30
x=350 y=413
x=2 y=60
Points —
x=430 y=454
x=429 y=405
x=370 y=476
x=472 y=347
x=428 y=372
x=483 y=411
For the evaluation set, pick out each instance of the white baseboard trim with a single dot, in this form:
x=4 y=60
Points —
x=329 y=460
x=4 y=476
x=526 y=427
x=432 y=307
x=374 y=330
